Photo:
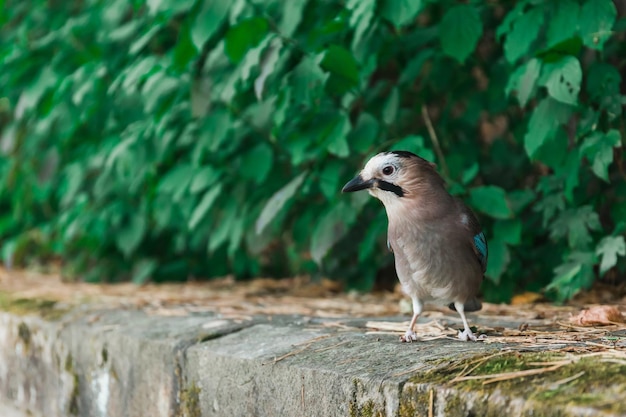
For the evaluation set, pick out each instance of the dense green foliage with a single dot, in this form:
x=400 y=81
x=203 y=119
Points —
x=172 y=138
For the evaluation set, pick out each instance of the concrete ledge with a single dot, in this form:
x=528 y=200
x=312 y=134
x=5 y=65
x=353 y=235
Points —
x=130 y=363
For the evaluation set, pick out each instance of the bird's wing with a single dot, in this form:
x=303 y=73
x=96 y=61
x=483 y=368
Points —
x=478 y=240
x=481 y=249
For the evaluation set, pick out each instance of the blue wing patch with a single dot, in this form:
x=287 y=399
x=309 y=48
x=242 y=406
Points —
x=480 y=243
x=389 y=248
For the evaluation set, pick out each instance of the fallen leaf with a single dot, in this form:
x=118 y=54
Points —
x=526 y=298
x=598 y=316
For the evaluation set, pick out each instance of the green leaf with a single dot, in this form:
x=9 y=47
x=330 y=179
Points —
x=375 y=230
x=361 y=17
x=520 y=199
x=609 y=248
x=459 y=31
x=524 y=81
x=563 y=78
x=156 y=89
x=215 y=128
x=597 y=18
x=140 y=43
x=598 y=149
x=339 y=61
x=204 y=206
x=602 y=80
x=564 y=24
x=414 y=67
x=142 y=269
x=575 y=223
x=491 y=200
x=554 y=150
x=525 y=31
x=130 y=236
x=243 y=36
x=390 y=109
x=573 y=275
x=470 y=173
x=267 y=64
x=544 y=122
x=203 y=178
x=307 y=81
x=257 y=163
x=224 y=227
x=400 y=12
x=208 y=21
x=171 y=7
x=292 y=16
x=185 y=51
x=509 y=231
x=329 y=230
x=176 y=181
x=329 y=179
x=510 y=18
x=499 y=258
x=364 y=133
x=549 y=206
x=277 y=202
x=336 y=139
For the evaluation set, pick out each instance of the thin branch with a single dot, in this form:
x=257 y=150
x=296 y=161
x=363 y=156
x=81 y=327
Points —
x=435 y=140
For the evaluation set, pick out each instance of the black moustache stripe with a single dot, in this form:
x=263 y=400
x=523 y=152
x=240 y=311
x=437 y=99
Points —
x=387 y=186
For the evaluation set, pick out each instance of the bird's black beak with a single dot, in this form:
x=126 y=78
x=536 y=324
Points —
x=356 y=184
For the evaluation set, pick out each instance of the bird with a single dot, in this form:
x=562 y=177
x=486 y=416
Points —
x=439 y=248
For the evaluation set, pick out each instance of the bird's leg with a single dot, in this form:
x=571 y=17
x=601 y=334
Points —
x=409 y=335
x=467 y=333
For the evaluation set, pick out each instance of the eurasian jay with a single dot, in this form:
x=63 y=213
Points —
x=439 y=249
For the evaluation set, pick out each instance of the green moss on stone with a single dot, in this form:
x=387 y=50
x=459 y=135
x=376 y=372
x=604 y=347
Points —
x=190 y=401
x=412 y=399
x=598 y=384
x=23 y=332
x=47 y=309
x=73 y=400
x=366 y=409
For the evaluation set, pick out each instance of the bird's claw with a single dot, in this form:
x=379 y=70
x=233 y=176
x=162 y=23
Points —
x=466 y=335
x=408 y=337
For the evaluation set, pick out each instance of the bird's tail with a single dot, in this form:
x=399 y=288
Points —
x=470 y=305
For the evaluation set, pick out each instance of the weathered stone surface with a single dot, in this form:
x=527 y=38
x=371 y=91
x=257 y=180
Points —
x=341 y=374
x=128 y=363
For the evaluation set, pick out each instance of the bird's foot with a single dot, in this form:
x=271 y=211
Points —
x=408 y=337
x=468 y=335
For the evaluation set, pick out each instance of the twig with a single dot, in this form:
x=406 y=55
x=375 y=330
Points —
x=511 y=375
x=431 y=404
x=315 y=339
x=286 y=355
x=306 y=343
x=435 y=140
x=418 y=368
x=331 y=346
x=480 y=362
x=560 y=382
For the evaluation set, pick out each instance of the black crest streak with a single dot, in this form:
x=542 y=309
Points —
x=404 y=154
x=387 y=186
x=407 y=154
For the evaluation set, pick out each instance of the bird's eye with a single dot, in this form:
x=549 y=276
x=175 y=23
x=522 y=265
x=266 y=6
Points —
x=388 y=170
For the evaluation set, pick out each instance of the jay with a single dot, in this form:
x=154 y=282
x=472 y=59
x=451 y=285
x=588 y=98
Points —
x=439 y=248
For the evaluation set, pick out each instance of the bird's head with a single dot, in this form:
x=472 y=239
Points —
x=395 y=176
